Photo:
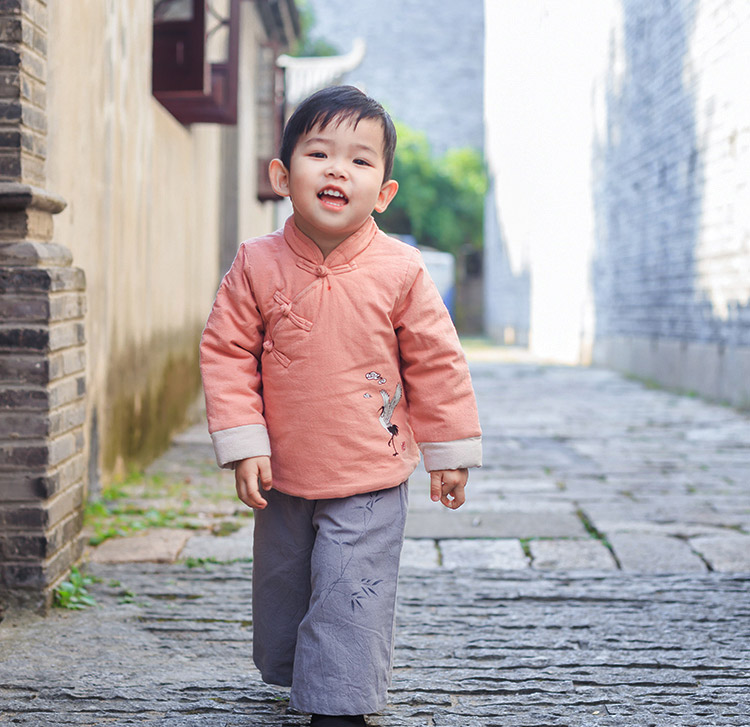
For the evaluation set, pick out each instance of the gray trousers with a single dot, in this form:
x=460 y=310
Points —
x=324 y=597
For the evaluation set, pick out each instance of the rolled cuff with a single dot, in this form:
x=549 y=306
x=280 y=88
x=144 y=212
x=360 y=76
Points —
x=232 y=445
x=455 y=455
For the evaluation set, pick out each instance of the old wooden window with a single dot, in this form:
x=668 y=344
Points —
x=196 y=58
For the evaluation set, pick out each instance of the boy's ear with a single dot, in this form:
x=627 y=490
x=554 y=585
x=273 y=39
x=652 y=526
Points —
x=387 y=193
x=279 y=176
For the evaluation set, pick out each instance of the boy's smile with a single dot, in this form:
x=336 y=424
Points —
x=333 y=196
x=335 y=180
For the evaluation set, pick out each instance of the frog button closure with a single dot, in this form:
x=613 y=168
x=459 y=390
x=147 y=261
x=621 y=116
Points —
x=321 y=271
x=268 y=347
x=286 y=308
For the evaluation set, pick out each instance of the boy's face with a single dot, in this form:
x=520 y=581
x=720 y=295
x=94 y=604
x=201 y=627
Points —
x=335 y=180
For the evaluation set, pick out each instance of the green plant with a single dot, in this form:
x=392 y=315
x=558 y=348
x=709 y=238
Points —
x=594 y=532
x=73 y=594
x=526 y=547
x=440 y=199
x=200 y=562
x=126 y=596
x=226 y=527
x=111 y=515
x=140 y=500
x=307 y=45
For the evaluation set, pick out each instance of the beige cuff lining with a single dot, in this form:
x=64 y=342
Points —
x=232 y=445
x=458 y=454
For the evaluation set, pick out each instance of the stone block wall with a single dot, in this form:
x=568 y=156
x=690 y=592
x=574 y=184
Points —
x=42 y=336
x=42 y=410
x=672 y=197
x=424 y=61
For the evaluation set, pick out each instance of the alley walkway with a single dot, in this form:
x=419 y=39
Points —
x=599 y=574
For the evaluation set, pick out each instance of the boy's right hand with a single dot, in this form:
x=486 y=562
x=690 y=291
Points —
x=249 y=476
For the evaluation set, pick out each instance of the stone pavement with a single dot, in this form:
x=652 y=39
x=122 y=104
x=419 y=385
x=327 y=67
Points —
x=585 y=469
x=598 y=575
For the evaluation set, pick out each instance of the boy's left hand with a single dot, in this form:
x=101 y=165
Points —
x=448 y=486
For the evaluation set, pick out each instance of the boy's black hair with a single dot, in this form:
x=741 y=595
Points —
x=338 y=103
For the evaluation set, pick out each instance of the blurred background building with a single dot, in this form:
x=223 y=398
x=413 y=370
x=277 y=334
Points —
x=618 y=223
x=424 y=61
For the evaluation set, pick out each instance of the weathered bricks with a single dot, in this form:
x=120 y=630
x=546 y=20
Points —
x=30 y=545
x=31 y=485
x=30 y=582
x=33 y=280
x=47 y=515
x=42 y=336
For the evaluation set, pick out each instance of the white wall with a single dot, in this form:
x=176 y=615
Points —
x=542 y=59
x=144 y=215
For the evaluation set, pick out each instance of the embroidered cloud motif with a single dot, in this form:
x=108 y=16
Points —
x=375 y=376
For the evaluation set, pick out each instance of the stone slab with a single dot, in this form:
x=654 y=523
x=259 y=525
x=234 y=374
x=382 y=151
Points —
x=644 y=553
x=483 y=553
x=158 y=545
x=663 y=509
x=462 y=524
x=571 y=555
x=225 y=549
x=729 y=553
x=675 y=529
x=421 y=553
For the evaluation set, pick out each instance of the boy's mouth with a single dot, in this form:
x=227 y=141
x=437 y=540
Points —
x=333 y=195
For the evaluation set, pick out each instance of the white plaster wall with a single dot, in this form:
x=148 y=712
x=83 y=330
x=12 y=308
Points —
x=143 y=192
x=141 y=188
x=542 y=59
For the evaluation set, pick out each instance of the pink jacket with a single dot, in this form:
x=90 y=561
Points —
x=341 y=369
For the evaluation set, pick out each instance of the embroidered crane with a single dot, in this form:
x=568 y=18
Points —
x=386 y=412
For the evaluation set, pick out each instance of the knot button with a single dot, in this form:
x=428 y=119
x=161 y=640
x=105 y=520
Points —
x=268 y=346
x=321 y=271
x=286 y=309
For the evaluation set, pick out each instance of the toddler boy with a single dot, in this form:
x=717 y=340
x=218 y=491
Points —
x=328 y=362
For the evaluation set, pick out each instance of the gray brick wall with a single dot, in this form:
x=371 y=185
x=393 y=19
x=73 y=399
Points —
x=42 y=335
x=424 y=61
x=672 y=257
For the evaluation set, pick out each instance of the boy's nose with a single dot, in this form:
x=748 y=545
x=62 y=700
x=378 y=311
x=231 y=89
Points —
x=335 y=169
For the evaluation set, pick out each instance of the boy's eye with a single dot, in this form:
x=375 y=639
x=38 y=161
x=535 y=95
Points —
x=317 y=155
x=362 y=162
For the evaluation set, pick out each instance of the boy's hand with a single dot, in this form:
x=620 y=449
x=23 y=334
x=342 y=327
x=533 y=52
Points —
x=249 y=476
x=448 y=486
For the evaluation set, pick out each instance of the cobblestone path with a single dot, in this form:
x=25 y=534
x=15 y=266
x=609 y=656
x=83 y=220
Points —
x=599 y=574
x=475 y=648
x=585 y=469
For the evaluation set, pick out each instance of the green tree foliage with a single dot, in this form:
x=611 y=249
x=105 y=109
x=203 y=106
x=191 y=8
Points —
x=307 y=45
x=440 y=199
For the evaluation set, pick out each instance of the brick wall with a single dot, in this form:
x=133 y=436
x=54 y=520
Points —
x=42 y=361
x=672 y=197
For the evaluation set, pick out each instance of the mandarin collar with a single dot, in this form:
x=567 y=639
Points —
x=305 y=248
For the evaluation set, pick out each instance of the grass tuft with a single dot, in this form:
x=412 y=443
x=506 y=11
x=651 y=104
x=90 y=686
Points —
x=73 y=594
